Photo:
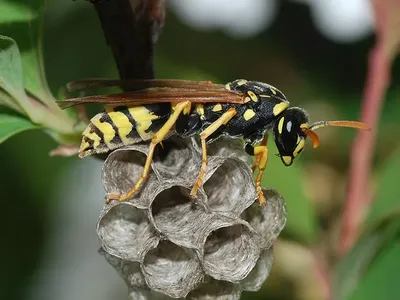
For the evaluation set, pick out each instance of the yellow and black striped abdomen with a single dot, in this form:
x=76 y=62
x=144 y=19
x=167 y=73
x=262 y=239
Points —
x=118 y=126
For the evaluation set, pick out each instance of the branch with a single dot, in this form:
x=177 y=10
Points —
x=132 y=33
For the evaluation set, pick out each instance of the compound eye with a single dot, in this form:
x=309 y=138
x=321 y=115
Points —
x=289 y=137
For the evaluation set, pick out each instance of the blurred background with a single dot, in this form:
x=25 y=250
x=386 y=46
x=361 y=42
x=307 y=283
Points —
x=315 y=51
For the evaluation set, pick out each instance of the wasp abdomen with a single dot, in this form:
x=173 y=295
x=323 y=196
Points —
x=119 y=126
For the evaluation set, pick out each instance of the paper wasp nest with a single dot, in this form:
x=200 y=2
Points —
x=165 y=245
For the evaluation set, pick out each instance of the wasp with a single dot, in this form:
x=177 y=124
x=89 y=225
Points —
x=250 y=110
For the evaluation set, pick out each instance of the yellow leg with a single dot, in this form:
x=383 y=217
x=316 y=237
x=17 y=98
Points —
x=222 y=120
x=258 y=157
x=261 y=152
x=156 y=139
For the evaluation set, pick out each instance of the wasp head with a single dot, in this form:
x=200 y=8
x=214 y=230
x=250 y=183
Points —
x=289 y=133
x=292 y=128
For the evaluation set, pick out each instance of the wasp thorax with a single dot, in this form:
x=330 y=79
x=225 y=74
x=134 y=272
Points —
x=288 y=133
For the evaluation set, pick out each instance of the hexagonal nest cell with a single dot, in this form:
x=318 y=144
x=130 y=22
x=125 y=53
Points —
x=166 y=245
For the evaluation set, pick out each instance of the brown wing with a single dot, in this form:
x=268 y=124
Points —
x=140 y=84
x=160 y=95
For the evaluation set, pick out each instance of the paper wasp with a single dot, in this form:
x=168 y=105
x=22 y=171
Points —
x=239 y=109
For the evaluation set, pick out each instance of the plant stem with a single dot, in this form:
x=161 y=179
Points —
x=359 y=192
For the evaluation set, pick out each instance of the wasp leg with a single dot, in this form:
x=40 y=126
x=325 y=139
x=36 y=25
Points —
x=157 y=138
x=222 y=120
x=262 y=152
x=258 y=157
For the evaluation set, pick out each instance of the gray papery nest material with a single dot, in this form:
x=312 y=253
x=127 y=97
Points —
x=165 y=245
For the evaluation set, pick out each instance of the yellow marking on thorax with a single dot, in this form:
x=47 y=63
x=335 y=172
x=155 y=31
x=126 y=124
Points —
x=217 y=107
x=106 y=128
x=273 y=91
x=280 y=107
x=241 y=82
x=265 y=96
x=280 y=125
x=252 y=96
x=227 y=87
x=124 y=125
x=248 y=114
x=247 y=99
x=299 y=146
x=143 y=119
x=200 y=109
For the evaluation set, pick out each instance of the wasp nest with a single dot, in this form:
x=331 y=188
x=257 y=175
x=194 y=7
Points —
x=165 y=245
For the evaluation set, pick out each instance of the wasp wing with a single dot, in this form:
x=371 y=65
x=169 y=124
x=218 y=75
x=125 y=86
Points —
x=137 y=84
x=160 y=95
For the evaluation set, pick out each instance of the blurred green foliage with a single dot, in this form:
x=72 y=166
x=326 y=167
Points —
x=287 y=55
x=371 y=269
x=303 y=227
x=381 y=281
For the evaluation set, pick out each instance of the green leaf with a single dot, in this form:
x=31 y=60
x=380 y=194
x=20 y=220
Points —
x=15 y=12
x=11 y=69
x=302 y=220
x=382 y=279
x=33 y=63
x=34 y=78
x=11 y=125
x=362 y=257
x=22 y=69
x=382 y=227
x=8 y=101
x=28 y=36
